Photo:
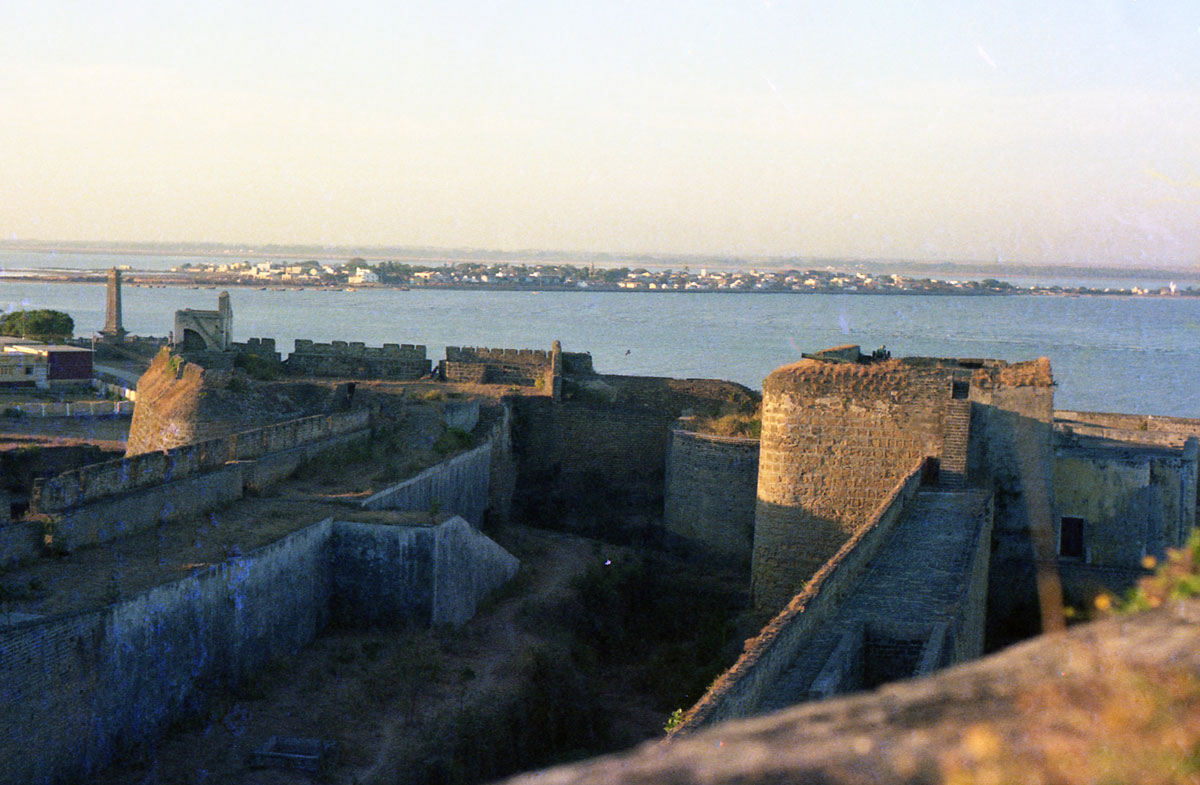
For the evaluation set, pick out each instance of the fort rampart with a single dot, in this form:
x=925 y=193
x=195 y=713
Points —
x=73 y=408
x=124 y=475
x=459 y=484
x=78 y=688
x=1139 y=428
x=1012 y=455
x=75 y=689
x=520 y=367
x=742 y=690
x=709 y=493
x=428 y=575
x=355 y=360
x=262 y=348
x=103 y=501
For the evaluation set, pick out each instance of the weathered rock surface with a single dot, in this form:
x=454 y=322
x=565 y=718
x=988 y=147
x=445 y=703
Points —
x=1113 y=701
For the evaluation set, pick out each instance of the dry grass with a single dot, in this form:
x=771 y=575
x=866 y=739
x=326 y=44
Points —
x=1104 y=721
x=745 y=425
x=1109 y=724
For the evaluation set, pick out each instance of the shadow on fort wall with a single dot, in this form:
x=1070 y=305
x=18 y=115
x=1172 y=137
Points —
x=593 y=469
x=790 y=550
x=1012 y=456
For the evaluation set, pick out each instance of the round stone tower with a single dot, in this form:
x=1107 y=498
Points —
x=837 y=436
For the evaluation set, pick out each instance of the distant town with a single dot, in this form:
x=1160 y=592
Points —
x=567 y=277
x=294 y=267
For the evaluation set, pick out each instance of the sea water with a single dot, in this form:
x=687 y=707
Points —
x=1122 y=354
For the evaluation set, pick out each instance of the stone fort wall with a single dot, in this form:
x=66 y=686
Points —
x=600 y=453
x=168 y=411
x=1012 y=455
x=100 y=502
x=1139 y=428
x=709 y=493
x=743 y=689
x=76 y=689
x=520 y=367
x=263 y=348
x=459 y=484
x=97 y=481
x=355 y=360
x=835 y=435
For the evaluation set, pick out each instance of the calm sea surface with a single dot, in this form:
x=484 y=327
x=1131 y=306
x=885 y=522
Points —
x=1108 y=353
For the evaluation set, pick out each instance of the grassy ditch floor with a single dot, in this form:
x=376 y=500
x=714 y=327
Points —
x=587 y=651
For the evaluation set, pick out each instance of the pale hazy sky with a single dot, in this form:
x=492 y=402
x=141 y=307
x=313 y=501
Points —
x=1025 y=131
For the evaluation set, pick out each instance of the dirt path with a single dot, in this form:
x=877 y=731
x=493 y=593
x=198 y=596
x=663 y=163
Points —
x=377 y=692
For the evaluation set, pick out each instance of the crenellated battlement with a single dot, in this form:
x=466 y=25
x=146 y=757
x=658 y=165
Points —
x=358 y=349
x=356 y=360
x=471 y=354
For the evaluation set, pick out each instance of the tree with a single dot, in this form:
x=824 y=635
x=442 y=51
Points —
x=43 y=325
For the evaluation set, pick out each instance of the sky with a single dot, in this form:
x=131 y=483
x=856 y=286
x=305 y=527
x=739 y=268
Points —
x=1040 y=132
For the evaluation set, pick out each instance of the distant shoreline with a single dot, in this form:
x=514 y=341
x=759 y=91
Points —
x=974 y=268
x=155 y=280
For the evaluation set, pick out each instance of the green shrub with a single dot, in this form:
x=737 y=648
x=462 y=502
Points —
x=44 y=325
x=1176 y=578
x=453 y=440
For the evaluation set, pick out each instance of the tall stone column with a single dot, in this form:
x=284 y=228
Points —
x=113 y=329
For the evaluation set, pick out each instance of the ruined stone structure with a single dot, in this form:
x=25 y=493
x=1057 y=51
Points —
x=80 y=686
x=205 y=331
x=355 y=360
x=113 y=329
x=904 y=596
x=1005 y=512
x=598 y=455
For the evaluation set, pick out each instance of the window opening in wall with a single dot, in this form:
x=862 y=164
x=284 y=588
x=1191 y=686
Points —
x=1070 y=538
x=959 y=390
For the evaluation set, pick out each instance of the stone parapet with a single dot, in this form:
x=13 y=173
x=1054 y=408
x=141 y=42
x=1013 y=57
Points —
x=355 y=360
